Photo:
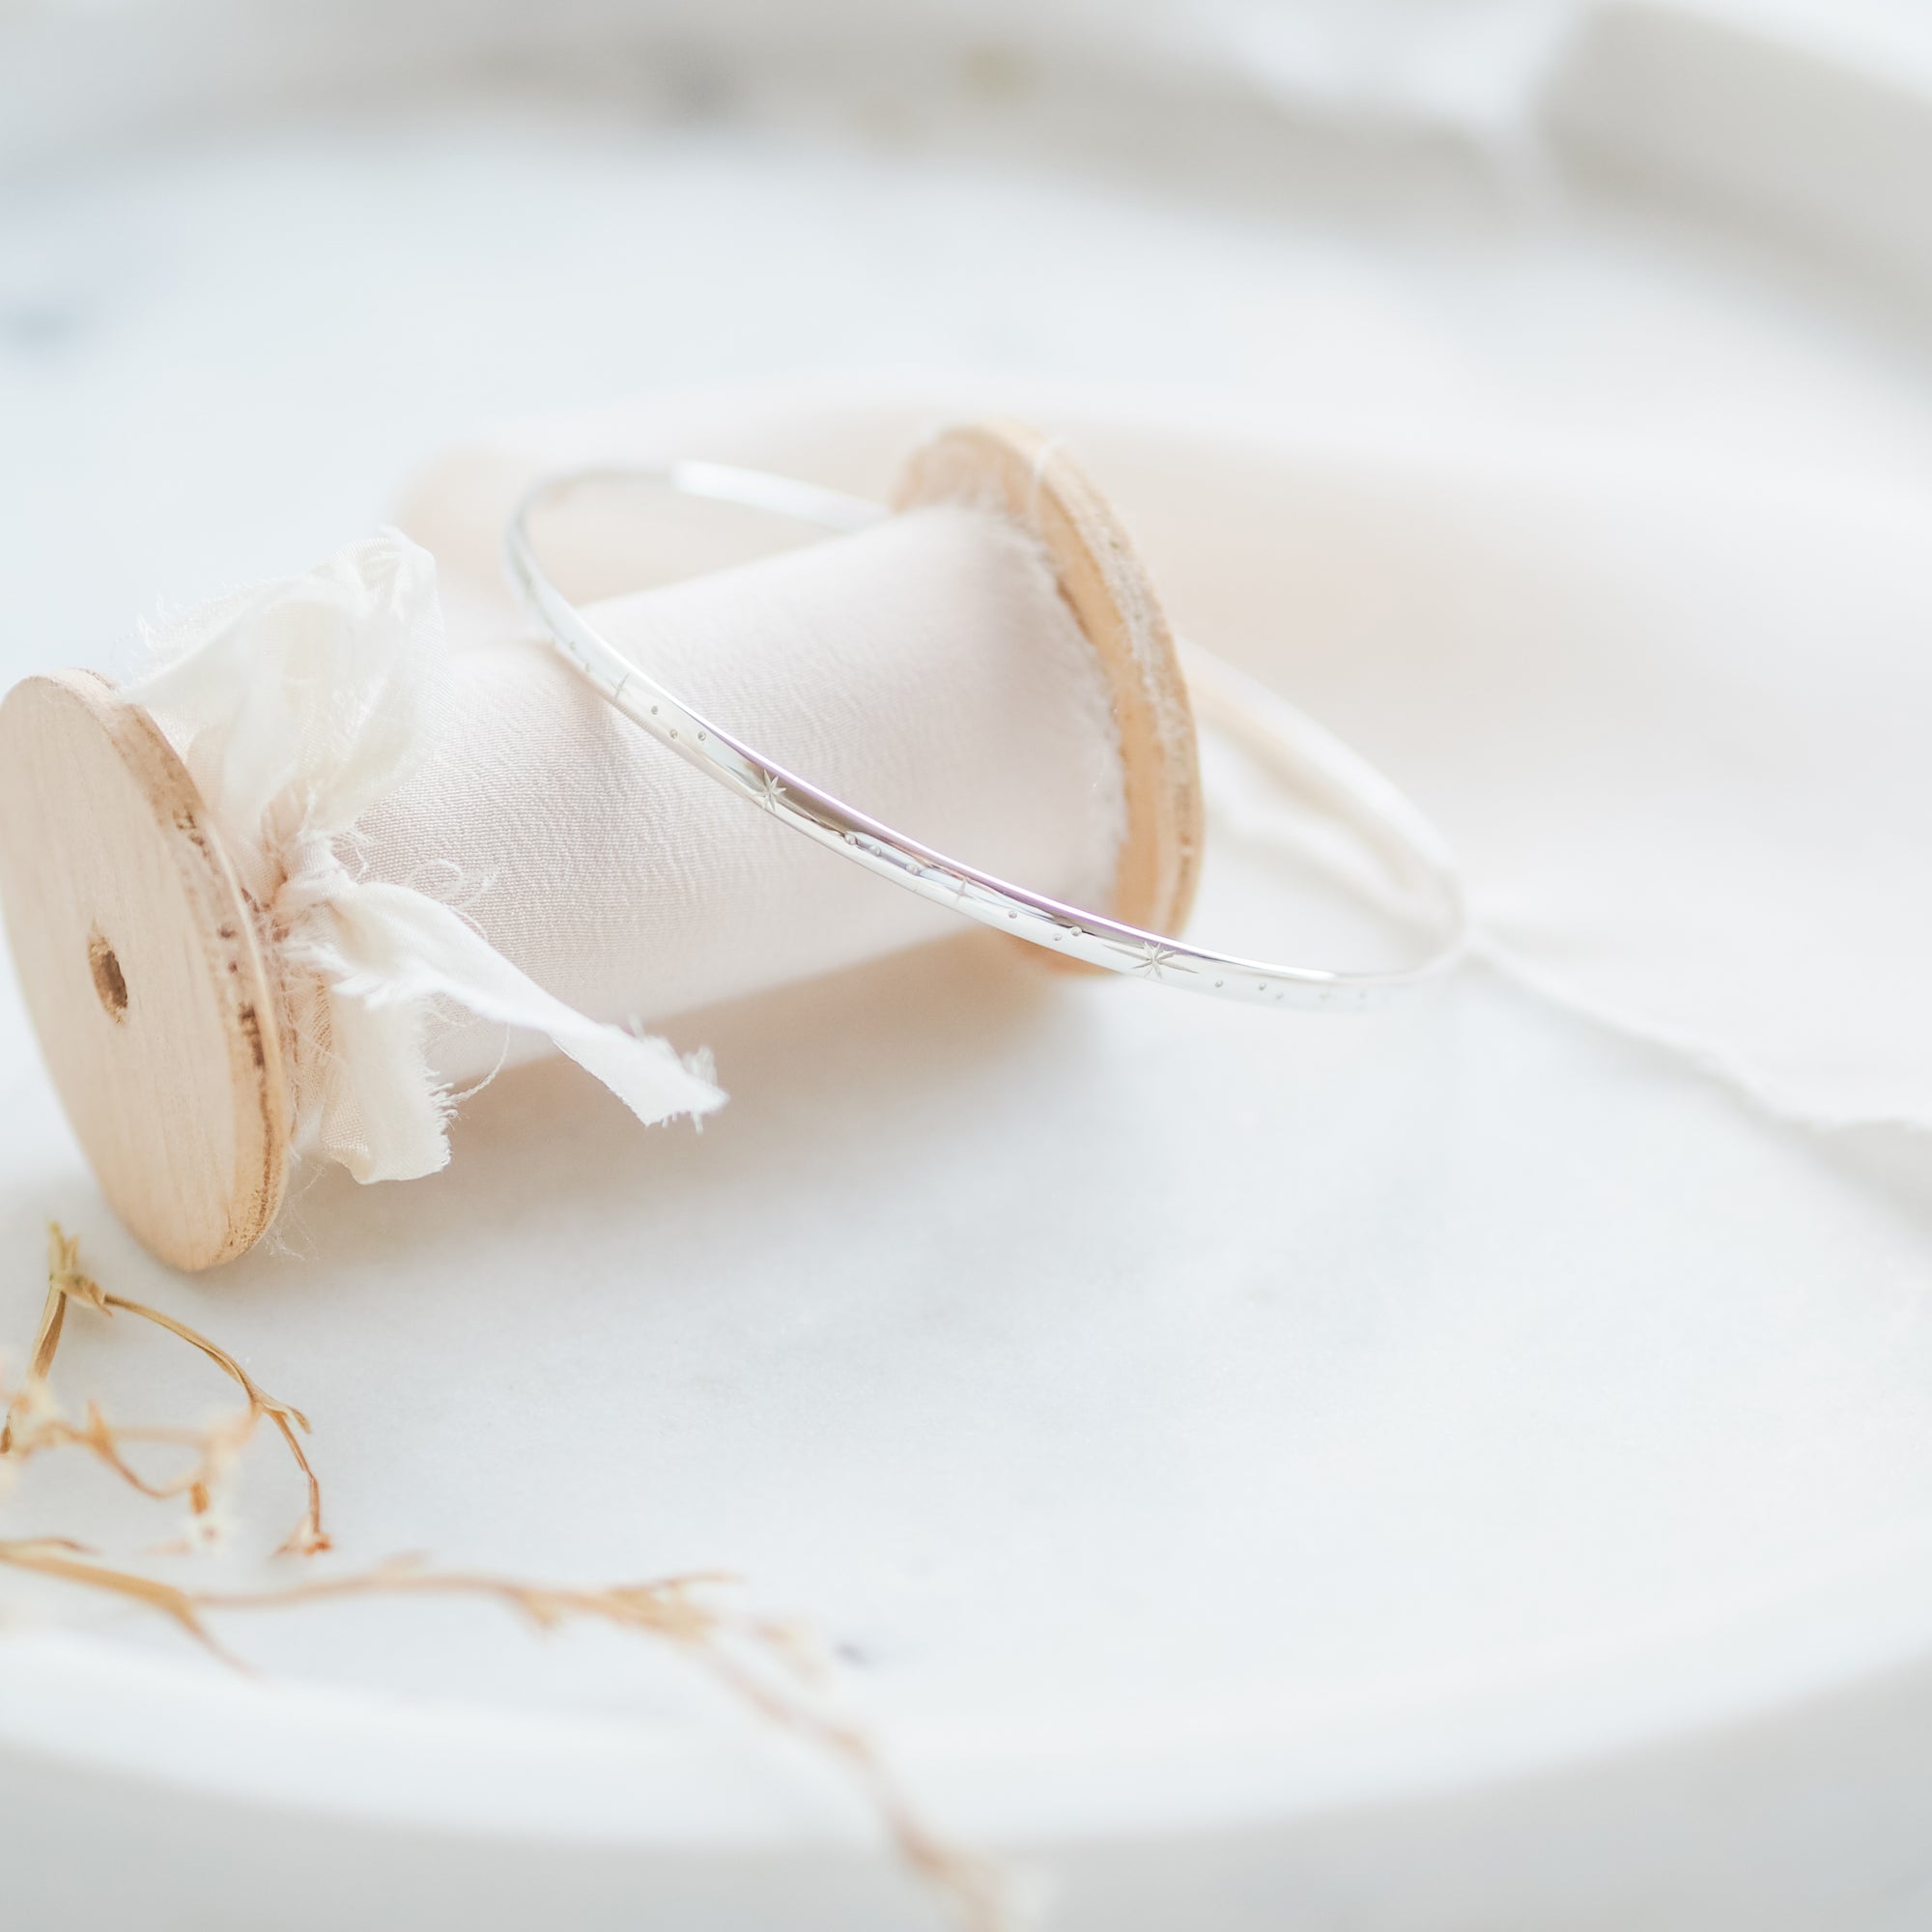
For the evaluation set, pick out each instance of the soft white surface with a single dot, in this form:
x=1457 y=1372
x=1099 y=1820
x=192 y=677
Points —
x=1394 y=1474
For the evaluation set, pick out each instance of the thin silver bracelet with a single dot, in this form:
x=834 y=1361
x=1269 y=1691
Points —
x=1278 y=737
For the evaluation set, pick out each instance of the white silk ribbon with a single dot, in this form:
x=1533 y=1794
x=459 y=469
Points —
x=297 y=705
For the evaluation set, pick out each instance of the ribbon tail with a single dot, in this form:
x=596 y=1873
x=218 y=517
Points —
x=383 y=1114
x=396 y=950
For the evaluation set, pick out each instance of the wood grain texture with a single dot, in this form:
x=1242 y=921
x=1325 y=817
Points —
x=137 y=955
x=1009 y=467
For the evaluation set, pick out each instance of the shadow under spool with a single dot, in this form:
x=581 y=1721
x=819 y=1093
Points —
x=156 y=995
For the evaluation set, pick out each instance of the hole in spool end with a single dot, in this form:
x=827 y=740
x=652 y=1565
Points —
x=109 y=982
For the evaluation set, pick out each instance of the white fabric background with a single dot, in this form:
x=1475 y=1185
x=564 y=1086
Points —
x=1181 y=1416
x=1453 y=1469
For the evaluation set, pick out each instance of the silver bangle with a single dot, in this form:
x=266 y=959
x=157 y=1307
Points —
x=1292 y=747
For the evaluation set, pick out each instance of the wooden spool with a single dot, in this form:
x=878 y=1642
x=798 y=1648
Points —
x=156 y=1001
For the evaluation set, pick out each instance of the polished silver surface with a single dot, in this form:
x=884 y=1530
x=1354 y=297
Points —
x=1290 y=747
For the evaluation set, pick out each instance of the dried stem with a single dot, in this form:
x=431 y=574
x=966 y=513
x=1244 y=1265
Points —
x=67 y=1562
x=216 y=1446
x=972 y=1886
x=34 y=1424
x=764 y=1663
x=307 y=1539
x=670 y=1609
x=46 y=1339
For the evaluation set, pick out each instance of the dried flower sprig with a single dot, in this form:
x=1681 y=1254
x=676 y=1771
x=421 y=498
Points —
x=761 y=1663
x=33 y=1422
x=68 y=1562
x=768 y=1666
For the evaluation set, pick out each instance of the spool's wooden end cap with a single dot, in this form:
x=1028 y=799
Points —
x=137 y=955
x=1008 y=467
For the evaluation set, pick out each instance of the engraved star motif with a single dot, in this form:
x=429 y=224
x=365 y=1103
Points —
x=1153 y=960
x=770 y=791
